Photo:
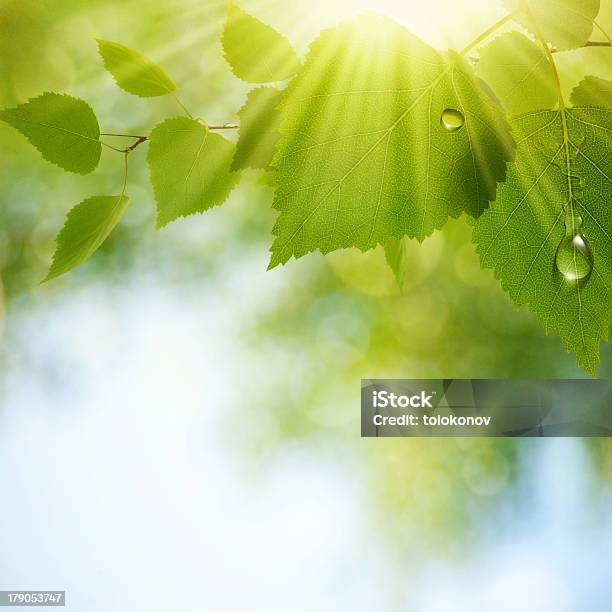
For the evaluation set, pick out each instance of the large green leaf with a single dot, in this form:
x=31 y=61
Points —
x=256 y=52
x=87 y=226
x=364 y=156
x=133 y=71
x=64 y=129
x=593 y=91
x=259 y=129
x=561 y=175
x=567 y=24
x=518 y=72
x=190 y=168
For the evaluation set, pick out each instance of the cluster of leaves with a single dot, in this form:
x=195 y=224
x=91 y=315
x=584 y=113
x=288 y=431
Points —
x=377 y=138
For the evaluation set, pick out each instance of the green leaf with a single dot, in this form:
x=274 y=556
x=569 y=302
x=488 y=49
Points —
x=567 y=24
x=561 y=174
x=64 y=129
x=397 y=259
x=190 y=168
x=256 y=52
x=593 y=91
x=87 y=226
x=518 y=72
x=259 y=129
x=364 y=157
x=133 y=71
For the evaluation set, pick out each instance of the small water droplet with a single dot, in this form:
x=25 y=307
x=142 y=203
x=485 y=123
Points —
x=574 y=257
x=452 y=119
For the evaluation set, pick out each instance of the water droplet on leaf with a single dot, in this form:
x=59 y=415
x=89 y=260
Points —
x=452 y=119
x=574 y=258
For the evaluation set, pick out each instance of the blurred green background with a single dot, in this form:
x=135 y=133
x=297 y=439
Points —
x=303 y=335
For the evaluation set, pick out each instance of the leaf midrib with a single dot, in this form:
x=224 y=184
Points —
x=60 y=129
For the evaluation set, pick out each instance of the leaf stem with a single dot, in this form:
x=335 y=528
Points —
x=141 y=139
x=587 y=45
x=110 y=146
x=125 y=176
x=122 y=135
x=606 y=35
x=225 y=126
x=182 y=106
x=498 y=24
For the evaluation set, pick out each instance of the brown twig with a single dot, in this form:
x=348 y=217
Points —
x=141 y=139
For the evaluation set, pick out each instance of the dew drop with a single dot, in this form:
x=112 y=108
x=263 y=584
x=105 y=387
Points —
x=574 y=257
x=452 y=119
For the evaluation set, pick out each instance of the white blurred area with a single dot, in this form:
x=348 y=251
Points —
x=121 y=482
x=550 y=548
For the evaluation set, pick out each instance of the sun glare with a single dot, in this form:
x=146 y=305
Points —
x=442 y=23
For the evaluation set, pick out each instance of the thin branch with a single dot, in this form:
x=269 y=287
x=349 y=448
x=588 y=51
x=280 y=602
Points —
x=503 y=21
x=141 y=139
x=598 y=43
x=590 y=43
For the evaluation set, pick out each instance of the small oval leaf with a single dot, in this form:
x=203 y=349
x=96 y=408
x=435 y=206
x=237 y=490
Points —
x=87 y=226
x=256 y=52
x=135 y=72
